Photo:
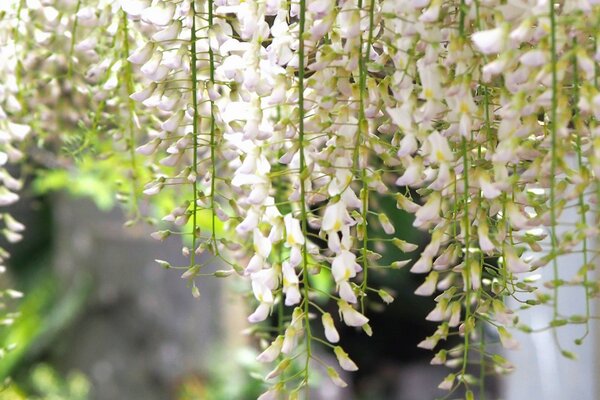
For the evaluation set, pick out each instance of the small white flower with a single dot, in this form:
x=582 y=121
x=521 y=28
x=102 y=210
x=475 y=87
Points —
x=18 y=131
x=349 y=21
x=335 y=377
x=344 y=266
x=144 y=93
x=405 y=204
x=150 y=191
x=429 y=343
x=533 y=58
x=439 y=148
x=290 y=284
x=160 y=14
x=422 y=266
x=432 y=14
x=295 y=256
x=455 y=309
x=447 y=383
x=507 y=340
x=485 y=243
x=134 y=8
x=272 y=352
x=503 y=314
x=259 y=192
x=402 y=117
x=320 y=8
x=428 y=287
x=260 y=314
x=279 y=369
x=249 y=223
x=14 y=294
x=86 y=44
x=488 y=189
x=293 y=231
x=408 y=146
x=493 y=68
x=515 y=217
x=490 y=41
x=271 y=394
x=522 y=33
x=12 y=237
x=387 y=226
x=439 y=312
x=330 y=332
x=442 y=179
x=292 y=295
x=514 y=263
x=335 y=217
x=13 y=224
x=419 y=3
x=350 y=316
x=255 y=264
x=346 y=292
x=344 y=360
x=173 y=122
x=290 y=340
x=412 y=174
x=143 y=54
x=148 y=148
x=430 y=211
x=169 y=33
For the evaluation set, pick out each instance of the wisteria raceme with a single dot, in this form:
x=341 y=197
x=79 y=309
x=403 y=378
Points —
x=13 y=132
x=277 y=127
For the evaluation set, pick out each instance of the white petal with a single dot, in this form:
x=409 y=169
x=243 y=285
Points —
x=345 y=362
x=169 y=33
x=350 y=316
x=489 y=41
x=331 y=333
x=142 y=54
x=158 y=15
x=428 y=287
x=346 y=292
x=134 y=8
x=260 y=314
x=272 y=352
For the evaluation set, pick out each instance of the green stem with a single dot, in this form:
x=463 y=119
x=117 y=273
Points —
x=280 y=320
x=130 y=110
x=213 y=159
x=74 y=35
x=195 y=123
x=466 y=220
x=554 y=155
x=482 y=360
x=488 y=130
x=581 y=199
x=363 y=124
x=19 y=66
x=467 y=223
x=302 y=173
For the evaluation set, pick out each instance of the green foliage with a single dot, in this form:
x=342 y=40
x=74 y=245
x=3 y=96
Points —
x=44 y=312
x=46 y=384
x=88 y=182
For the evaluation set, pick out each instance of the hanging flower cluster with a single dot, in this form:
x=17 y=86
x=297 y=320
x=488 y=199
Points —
x=277 y=126
x=12 y=133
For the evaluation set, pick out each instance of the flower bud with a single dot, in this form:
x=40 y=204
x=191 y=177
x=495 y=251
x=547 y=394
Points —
x=330 y=332
x=345 y=362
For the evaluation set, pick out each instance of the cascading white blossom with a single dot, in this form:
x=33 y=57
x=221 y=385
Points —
x=14 y=130
x=277 y=127
x=395 y=94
